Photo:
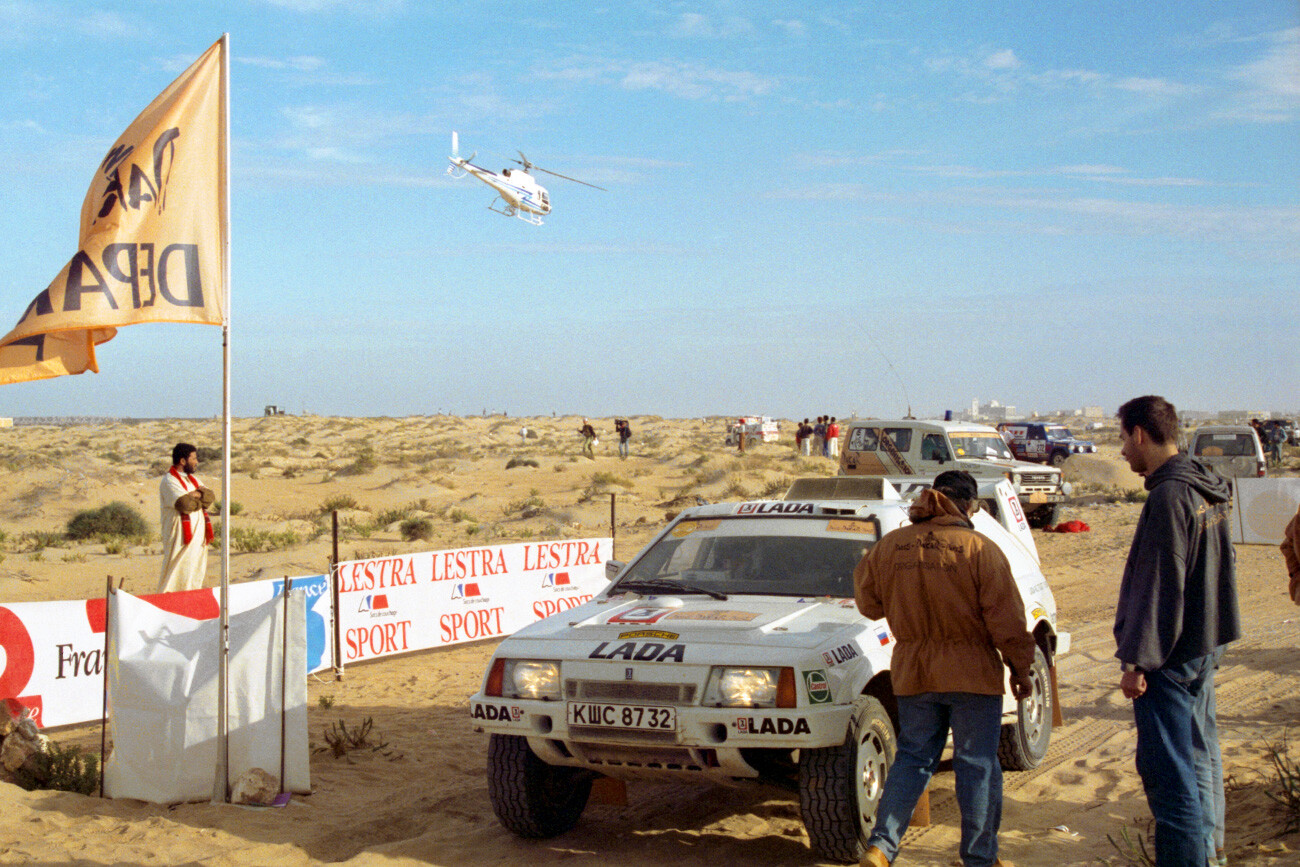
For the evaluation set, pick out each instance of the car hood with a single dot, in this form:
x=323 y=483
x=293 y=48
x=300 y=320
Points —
x=740 y=619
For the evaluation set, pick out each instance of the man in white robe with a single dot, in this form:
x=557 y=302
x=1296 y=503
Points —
x=186 y=528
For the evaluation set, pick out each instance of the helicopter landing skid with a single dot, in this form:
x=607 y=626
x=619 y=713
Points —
x=508 y=210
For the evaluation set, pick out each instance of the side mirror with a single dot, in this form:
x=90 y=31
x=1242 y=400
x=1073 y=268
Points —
x=612 y=568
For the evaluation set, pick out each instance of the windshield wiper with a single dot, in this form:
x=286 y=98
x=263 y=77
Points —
x=660 y=585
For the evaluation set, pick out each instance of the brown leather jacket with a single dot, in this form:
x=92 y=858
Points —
x=951 y=603
x=1291 y=553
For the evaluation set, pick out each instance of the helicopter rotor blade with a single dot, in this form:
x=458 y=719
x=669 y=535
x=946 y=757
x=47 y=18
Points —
x=567 y=178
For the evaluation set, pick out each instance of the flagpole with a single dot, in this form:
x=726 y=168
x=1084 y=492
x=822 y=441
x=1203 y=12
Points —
x=221 y=784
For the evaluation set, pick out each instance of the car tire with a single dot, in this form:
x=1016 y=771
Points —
x=530 y=797
x=840 y=786
x=1057 y=458
x=1023 y=743
x=1044 y=516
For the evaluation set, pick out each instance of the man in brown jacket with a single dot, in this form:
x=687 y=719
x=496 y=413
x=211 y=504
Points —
x=953 y=606
x=1291 y=554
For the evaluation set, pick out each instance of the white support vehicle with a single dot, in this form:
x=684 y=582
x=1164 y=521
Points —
x=755 y=430
x=730 y=651
x=921 y=449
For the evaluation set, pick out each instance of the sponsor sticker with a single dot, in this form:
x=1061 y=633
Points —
x=496 y=712
x=818 y=687
x=840 y=525
x=649 y=633
x=766 y=725
x=641 y=615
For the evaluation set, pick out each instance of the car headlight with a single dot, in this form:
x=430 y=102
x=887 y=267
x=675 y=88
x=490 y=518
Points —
x=534 y=679
x=735 y=686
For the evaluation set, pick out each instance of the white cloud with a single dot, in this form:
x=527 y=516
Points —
x=296 y=64
x=1271 y=81
x=1004 y=59
x=372 y=8
x=692 y=25
x=678 y=78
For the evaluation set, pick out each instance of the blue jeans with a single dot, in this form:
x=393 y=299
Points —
x=924 y=721
x=1179 y=760
x=622 y=448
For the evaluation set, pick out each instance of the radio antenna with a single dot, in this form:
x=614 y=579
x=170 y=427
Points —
x=890 y=364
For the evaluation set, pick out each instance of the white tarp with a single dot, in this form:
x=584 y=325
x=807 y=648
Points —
x=1263 y=507
x=162 y=686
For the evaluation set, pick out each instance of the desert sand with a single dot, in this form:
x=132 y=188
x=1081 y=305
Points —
x=422 y=799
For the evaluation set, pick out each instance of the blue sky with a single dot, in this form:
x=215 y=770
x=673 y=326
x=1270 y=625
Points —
x=811 y=208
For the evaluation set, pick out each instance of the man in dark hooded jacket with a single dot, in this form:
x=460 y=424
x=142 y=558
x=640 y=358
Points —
x=1177 y=609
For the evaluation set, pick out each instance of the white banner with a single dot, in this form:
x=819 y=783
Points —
x=163 y=699
x=1264 y=506
x=51 y=653
x=397 y=604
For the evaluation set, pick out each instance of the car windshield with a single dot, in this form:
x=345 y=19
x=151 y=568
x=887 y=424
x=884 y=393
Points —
x=976 y=444
x=1059 y=433
x=765 y=556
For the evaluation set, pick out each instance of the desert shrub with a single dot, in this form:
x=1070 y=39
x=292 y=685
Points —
x=38 y=540
x=417 y=528
x=340 y=740
x=521 y=462
x=207 y=455
x=64 y=769
x=458 y=515
x=235 y=508
x=364 y=462
x=1286 y=780
x=337 y=503
x=114 y=519
x=608 y=478
x=253 y=541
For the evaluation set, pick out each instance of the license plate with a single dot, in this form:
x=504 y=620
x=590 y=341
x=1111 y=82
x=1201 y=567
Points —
x=623 y=716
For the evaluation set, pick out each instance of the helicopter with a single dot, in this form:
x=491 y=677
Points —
x=519 y=194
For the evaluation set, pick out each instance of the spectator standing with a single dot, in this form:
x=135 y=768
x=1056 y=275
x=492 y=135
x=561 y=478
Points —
x=832 y=439
x=624 y=431
x=186 y=528
x=1177 y=610
x=819 y=436
x=953 y=606
x=806 y=439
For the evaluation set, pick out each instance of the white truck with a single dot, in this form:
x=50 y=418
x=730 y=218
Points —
x=754 y=429
x=730 y=651
x=919 y=449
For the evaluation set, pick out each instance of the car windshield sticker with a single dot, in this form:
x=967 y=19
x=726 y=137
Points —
x=882 y=635
x=840 y=525
x=738 y=616
x=686 y=528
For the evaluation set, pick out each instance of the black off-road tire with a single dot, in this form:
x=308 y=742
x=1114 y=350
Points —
x=840 y=787
x=1023 y=743
x=1058 y=458
x=530 y=797
x=1044 y=516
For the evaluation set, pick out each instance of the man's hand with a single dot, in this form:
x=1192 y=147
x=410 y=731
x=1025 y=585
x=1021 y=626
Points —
x=1133 y=684
x=1021 y=686
x=206 y=497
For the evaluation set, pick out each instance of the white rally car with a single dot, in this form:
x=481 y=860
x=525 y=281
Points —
x=730 y=650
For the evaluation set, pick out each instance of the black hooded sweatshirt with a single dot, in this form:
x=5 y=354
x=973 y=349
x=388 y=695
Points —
x=1178 y=597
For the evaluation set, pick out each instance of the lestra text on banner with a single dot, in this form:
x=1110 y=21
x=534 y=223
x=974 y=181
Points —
x=151 y=245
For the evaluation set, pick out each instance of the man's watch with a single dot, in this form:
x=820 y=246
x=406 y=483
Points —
x=1128 y=667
